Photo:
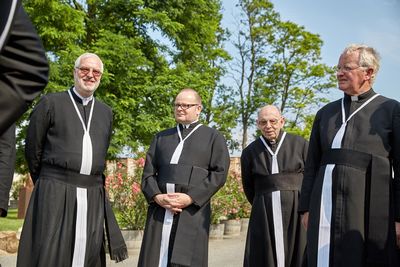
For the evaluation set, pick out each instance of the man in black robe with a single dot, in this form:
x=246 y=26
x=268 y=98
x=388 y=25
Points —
x=350 y=197
x=272 y=172
x=7 y=165
x=23 y=74
x=66 y=145
x=185 y=166
x=23 y=64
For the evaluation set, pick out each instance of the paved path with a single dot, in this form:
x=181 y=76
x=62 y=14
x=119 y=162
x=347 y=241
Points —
x=226 y=252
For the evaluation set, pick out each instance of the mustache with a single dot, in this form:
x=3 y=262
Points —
x=89 y=79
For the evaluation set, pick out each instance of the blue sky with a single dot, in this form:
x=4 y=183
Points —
x=341 y=22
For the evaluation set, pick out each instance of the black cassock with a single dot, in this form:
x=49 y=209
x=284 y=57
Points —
x=7 y=164
x=23 y=64
x=365 y=197
x=200 y=172
x=258 y=185
x=54 y=155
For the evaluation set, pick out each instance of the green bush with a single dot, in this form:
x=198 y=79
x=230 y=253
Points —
x=230 y=201
x=126 y=198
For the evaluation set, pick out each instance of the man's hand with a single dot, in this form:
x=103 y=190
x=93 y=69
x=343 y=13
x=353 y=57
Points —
x=182 y=200
x=398 y=234
x=174 y=202
x=304 y=219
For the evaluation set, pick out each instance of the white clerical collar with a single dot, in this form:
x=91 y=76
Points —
x=85 y=100
x=354 y=98
x=186 y=126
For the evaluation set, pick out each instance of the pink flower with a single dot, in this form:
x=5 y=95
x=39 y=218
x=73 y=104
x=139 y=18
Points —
x=140 y=162
x=135 y=188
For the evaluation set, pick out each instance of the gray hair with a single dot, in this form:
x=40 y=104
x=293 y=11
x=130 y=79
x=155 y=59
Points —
x=368 y=57
x=86 y=55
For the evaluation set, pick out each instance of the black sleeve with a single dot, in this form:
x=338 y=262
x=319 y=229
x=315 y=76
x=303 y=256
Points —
x=23 y=69
x=7 y=165
x=36 y=136
x=311 y=167
x=247 y=181
x=395 y=154
x=149 y=180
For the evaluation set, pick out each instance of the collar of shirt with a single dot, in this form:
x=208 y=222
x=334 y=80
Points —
x=85 y=100
x=273 y=143
x=187 y=126
x=361 y=97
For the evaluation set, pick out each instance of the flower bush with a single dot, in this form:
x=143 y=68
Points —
x=230 y=201
x=125 y=194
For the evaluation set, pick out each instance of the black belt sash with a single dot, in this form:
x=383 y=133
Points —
x=183 y=176
x=277 y=182
x=49 y=172
x=116 y=244
x=377 y=195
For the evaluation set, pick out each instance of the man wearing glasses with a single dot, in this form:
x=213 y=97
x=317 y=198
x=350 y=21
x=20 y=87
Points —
x=66 y=145
x=350 y=197
x=185 y=166
x=272 y=172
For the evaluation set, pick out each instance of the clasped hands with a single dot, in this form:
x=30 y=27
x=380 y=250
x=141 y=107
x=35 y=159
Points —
x=174 y=202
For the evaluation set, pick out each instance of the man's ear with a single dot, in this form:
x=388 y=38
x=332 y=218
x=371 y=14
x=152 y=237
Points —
x=370 y=73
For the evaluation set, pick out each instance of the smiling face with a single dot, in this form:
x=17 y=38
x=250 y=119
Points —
x=87 y=76
x=353 y=79
x=187 y=107
x=270 y=122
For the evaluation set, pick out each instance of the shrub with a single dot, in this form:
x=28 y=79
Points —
x=126 y=197
x=230 y=201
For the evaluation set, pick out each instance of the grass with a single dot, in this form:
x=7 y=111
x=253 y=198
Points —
x=11 y=223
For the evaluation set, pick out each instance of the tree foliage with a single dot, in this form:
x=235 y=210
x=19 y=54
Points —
x=278 y=62
x=150 y=49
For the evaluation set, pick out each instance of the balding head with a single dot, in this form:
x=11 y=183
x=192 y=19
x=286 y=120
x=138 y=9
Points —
x=187 y=106
x=270 y=122
x=192 y=93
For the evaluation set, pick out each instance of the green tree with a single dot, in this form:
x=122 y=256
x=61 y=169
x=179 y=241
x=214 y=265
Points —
x=151 y=49
x=278 y=62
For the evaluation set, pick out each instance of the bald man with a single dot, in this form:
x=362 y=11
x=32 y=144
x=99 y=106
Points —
x=185 y=166
x=272 y=173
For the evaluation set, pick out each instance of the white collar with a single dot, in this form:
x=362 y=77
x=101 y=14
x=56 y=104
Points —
x=186 y=126
x=354 y=98
x=85 y=100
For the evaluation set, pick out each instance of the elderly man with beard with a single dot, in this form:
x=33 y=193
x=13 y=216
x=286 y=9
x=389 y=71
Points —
x=66 y=146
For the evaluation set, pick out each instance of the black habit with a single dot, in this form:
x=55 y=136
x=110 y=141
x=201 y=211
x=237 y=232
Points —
x=201 y=170
x=7 y=165
x=54 y=154
x=23 y=64
x=258 y=183
x=365 y=196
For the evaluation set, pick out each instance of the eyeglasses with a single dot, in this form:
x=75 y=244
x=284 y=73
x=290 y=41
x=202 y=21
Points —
x=272 y=122
x=346 y=69
x=85 y=71
x=185 y=106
